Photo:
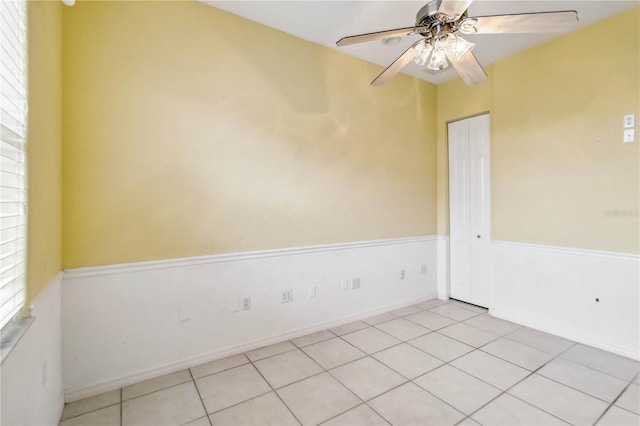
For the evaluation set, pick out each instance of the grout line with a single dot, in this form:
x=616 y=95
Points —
x=353 y=408
x=235 y=404
x=221 y=371
x=159 y=389
x=319 y=341
x=274 y=390
x=91 y=411
x=121 y=406
x=505 y=391
x=272 y=355
x=193 y=380
x=612 y=403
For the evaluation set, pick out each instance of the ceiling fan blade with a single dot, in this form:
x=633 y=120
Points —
x=454 y=8
x=397 y=65
x=543 y=22
x=468 y=68
x=380 y=35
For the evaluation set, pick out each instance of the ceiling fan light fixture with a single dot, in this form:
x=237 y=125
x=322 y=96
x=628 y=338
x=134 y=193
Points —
x=422 y=53
x=438 y=59
x=457 y=46
x=468 y=26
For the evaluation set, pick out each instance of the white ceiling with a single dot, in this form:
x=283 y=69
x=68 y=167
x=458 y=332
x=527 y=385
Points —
x=324 y=22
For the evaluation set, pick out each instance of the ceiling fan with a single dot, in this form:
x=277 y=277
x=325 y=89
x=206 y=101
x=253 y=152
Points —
x=440 y=22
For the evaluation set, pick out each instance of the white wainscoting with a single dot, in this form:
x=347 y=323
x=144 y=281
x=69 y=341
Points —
x=32 y=373
x=443 y=267
x=121 y=322
x=553 y=289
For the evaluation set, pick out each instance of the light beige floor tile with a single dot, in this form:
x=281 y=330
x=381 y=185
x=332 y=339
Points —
x=407 y=360
x=619 y=417
x=636 y=381
x=507 y=410
x=406 y=311
x=312 y=338
x=286 y=368
x=360 y=416
x=493 y=325
x=540 y=340
x=457 y=388
x=270 y=350
x=202 y=421
x=612 y=364
x=492 y=370
x=411 y=405
x=454 y=312
x=109 y=416
x=468 y=306
x=317 y=398
x=175 y=405
x=402 y=329
x=370 y=340
x=630 y=399
x=568 y=404
x=440 y=346
x=90 y=404
x=348 y=328
x=230 y=387
x=430 y=320
x=333 y=352
x=155 y=384
x=380 y=318
x=218 y=365
x=431 y=303
x=468 y=422
x=583 y=378
x=263 y=410
x=517 y=353
x=467 y=334
x=367 y=377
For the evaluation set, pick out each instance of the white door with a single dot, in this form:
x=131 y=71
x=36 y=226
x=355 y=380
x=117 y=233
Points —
x=470 y=210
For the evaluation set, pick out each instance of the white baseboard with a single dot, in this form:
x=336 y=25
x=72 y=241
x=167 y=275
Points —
x=554 y=289
x=121 y=323
x=32 y=372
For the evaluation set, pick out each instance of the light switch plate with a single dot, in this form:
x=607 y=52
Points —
x=629 y=121
x=629 y=135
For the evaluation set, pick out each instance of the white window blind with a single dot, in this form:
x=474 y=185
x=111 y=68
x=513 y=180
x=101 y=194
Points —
x=13 y=178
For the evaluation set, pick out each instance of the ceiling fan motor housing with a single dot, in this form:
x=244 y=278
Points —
x=435 y=23
x=428 y=13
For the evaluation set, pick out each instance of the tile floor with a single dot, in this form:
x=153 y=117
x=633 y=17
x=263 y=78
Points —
x=436 y=363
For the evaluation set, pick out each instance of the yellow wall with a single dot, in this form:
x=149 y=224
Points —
x=558 y=161
x=44 y=144
x=190 y=131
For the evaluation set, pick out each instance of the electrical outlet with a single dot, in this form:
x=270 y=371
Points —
x=402 y=274
x=423 y=269
x=235 y=304
x=355 y=283
x=629 y=121
x=344 y=285
x=246 y=303
x=287 y=296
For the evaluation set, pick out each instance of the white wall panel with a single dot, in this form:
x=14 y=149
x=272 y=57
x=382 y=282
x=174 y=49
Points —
x=121 y=322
